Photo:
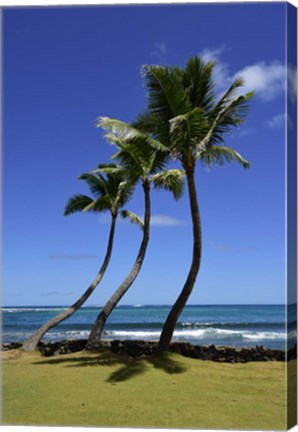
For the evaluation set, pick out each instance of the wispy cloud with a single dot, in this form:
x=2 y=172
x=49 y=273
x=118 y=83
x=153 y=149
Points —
x=221 y=69
x=292 y=83
x=245 y=132
x=57 y=293
x=155 y=220
x=51 y=293
x=75 y=257
x=163 y=220
x=160 y=50
x=228 y=248
x=277 y=121
x=280 y=120
x=210 y=54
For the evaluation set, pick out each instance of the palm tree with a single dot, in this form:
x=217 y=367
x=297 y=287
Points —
x=139 y=165
x=188 y=122
x=110 y=193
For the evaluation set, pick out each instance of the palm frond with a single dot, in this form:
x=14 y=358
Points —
x=96 y=183
x=145 y=122
x=77 y=203
x=166 y=96
x=171 y=180
x=110 y=170
x=102 y=204
x=187 y=129
x=229 y=94
x=140 y=161
x=115 y=175
x=131 y=163
x=114 y=139
x=231 y=115
x=154 y=126
x=128 y=133
x=119 y=184
x=125 y=192
x=132 y=217
x=157 y=161
x=218 y=155
x=198 y=83
x=106 y=166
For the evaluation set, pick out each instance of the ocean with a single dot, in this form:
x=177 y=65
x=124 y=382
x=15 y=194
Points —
x=243 y=325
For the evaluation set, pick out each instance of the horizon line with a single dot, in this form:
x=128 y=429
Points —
x=152 y=304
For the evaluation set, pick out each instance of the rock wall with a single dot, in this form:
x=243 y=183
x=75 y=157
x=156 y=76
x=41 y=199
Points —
x=141 y=349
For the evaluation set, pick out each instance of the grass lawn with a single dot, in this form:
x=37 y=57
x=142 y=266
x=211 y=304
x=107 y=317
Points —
x=169 y=391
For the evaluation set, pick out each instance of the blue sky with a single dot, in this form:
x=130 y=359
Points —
x=65 y=66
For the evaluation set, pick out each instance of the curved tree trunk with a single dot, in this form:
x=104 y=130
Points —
x=169 y=326
x=32 y=342
x=94 y=340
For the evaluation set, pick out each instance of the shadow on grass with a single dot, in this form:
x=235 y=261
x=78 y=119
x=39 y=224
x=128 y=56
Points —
x=129 y=367
x=166 y=363
x=104 y=358
x=136 y=367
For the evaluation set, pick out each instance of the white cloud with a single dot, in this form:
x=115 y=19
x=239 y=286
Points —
x=277 y=121
x=266 y=79
x=155 y=220
x=209 y=54
x=163 y=220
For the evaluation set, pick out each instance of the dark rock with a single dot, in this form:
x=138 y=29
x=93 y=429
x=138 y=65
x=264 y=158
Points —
x=11 y=345
x=141 y=349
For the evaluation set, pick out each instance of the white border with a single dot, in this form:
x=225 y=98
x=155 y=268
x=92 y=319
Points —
x=16 y=3
x=126 y=2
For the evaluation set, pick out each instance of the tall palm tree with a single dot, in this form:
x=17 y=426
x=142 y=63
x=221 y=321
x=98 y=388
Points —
x=139 y=165
x=186 y=120
x=111 y=193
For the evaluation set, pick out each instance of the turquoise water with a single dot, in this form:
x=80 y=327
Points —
x=242 y=325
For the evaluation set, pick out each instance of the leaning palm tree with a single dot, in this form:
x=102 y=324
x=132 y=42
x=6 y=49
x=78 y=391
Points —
x=148 y=168
x=186 y=120
x=111 y=193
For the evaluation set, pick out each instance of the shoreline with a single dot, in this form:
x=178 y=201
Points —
x=140 y=349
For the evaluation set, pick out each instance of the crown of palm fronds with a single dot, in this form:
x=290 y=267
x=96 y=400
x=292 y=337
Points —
x=185 y=100
x=111 y=190
x=146 y=163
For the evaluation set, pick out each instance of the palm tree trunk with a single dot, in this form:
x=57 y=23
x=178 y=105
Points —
x=94 y=340
x=169 y=326
x=31 y=343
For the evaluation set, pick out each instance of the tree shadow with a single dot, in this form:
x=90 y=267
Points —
x=136 y=367
x=127 y=371
x=103 y=358
x=166 y=363
x=129 y=367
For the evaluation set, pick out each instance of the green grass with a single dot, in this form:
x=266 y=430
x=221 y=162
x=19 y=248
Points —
x=168 y=391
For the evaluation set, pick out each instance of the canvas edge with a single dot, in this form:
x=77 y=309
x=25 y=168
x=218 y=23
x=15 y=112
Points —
x=291 y=201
